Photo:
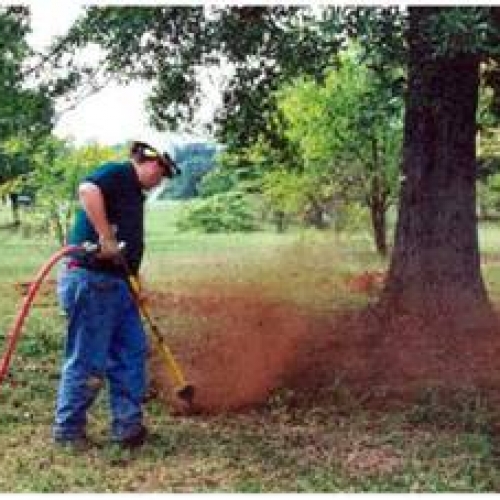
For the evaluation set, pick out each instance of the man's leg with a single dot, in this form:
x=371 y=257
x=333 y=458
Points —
x=127 y=372
x=89 y=301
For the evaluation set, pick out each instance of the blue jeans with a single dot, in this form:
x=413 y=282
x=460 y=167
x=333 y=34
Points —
x=105 y=341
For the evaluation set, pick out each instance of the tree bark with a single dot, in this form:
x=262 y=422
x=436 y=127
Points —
x=435 y=266
x=14 y=204
x=377 y=214
x=377 y=201
x=315 y=214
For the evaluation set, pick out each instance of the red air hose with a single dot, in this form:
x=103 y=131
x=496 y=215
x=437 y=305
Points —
x=15 y=330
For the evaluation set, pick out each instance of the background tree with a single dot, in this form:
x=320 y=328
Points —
x=58 y=169
x=25 y=112
x=488 y=151
x=23 y=109
x=350 y=127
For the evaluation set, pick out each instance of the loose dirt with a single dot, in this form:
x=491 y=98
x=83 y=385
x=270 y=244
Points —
x=242 y=348
x=238 y=348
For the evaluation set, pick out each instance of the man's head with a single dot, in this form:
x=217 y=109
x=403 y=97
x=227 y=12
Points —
x=151 y=165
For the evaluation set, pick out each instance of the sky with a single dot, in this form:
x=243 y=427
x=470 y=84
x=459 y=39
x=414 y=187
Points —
x=115 y=114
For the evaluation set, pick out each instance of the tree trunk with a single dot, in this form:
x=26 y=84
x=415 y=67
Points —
x=14 y=203
x=315 y=214
x=280 y=221
x=435 y=266
x=377 y=202
x=377 y=214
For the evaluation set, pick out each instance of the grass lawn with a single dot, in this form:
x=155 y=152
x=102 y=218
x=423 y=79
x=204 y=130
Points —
x=337 y=446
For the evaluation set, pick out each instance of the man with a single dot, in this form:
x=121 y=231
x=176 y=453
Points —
x=105 y=337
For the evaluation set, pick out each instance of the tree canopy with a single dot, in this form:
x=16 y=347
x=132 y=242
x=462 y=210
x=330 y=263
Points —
x=262 y=46
x=26 y=111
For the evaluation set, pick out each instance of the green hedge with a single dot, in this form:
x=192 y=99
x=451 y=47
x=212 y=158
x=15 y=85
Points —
x=221 y=213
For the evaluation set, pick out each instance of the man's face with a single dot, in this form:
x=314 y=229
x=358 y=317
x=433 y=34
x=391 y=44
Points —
x=151 y=174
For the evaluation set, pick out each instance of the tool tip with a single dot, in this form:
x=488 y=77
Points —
x=186 y=393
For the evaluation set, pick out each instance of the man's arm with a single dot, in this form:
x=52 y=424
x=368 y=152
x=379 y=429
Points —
x=92 y=202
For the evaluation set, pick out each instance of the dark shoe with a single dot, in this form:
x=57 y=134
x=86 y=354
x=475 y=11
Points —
x=81 y=443
x=135 y=440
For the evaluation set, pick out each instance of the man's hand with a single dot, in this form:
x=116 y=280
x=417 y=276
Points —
x=108 y=248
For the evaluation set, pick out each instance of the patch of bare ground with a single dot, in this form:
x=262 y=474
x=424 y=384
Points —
x=247 y=347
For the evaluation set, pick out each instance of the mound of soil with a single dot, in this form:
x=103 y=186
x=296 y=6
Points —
x=248 y=347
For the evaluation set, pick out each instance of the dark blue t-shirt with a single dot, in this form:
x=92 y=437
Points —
x=124 y=202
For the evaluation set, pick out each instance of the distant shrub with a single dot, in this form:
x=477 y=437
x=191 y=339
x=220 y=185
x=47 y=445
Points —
x=224 y=212
x=218 y=181
x=351 y=217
